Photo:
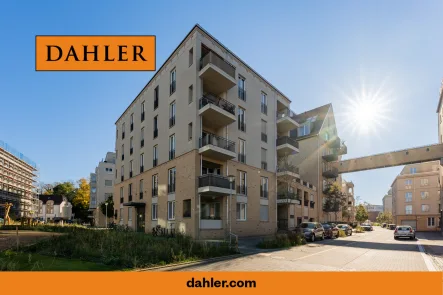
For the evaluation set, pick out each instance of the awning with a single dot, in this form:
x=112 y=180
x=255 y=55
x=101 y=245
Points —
x=134 y=204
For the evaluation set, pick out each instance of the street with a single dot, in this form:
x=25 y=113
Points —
x=370 y=251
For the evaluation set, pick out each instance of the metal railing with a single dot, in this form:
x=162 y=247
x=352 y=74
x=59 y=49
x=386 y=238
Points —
x=288 y=168
x=217 y=101
x=215 y=180
x=331 y=173
x=284 y=113
x=287 y=195
x=218 y=141
x=212 y=58
x=287 y=140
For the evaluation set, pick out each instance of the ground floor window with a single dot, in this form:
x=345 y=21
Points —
x=210 y=211
x=431 y=221
x=154 y=212
x=241 y=211
x=129 y=214
x=264 y=213
x=171 y=210
x=187 y=208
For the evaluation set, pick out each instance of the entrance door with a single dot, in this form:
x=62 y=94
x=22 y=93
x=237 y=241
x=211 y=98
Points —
x=141 y=219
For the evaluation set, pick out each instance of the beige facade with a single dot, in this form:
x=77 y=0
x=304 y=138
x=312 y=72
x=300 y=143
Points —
x=348 y=189
x=416 y=196
x=204 y=115
x=387 y=202
x=17 y=182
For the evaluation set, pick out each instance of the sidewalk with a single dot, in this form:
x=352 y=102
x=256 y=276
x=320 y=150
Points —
x=432 y=243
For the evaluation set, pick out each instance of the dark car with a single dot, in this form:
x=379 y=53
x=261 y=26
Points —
x=367 y=227
x=383 y=225
x=392 y=226
x=331 y=230
x=312 y=231
x=346 y=228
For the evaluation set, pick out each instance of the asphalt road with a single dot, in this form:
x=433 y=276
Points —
x=371 y=251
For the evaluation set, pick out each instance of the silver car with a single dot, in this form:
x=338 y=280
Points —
x=404 y=231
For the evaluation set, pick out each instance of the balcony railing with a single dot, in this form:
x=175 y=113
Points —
x=241 y=126
x=288 y=168
x=154 y=162
x=284 y=113
x=142 y=117
x=155 y=133
x=242 y=158
x=287 y=195
x=242 y=94
x=242 y=190
x=155 y=192
x=331 y=173
x=215 y=180
x=171 y=121
x=218 y=141
x=287 y=140
x=142 y=168
x=171 y=154
x=172 y=87
x=264 y=109
x=264 y=165
x=264 y=137
x=142 y=143
x=217 y=101
x=212 y=58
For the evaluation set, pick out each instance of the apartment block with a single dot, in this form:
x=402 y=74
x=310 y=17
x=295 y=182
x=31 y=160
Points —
x=197 y=149
x=101 y=188
x=387 y=202
x=319 y=147
x=18 y=174
x=416 y=196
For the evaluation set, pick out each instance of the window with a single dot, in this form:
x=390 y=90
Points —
x=305 y=129
x=132 y=122
x=131 y=146
x=172 y=147
x=154 y=156
x=408 y=209
x=186 y=208
x=141 y=188
x=123 y=152
x=129 y=214
x=241 y=151
x=142 y=112
x=408 y=197
x=408 y=182
x=123 y=131
x=264 y=162
x=264 y=132
x=424 y=195
x=142 y=137
x=156 y=93
x=241 y=211
x=241 y=119
x=172 y=114
x=191 y=56
x=154 y=185
x=122 y=174
x=142 y=163
x=431 y=221
x=264 y=185
x=154 y=212
x=171 y=210
x=130 y=191
x=93 y=190
x=116 y=133
x=210 y=211
x=242 y=88
x=155 y=126
x=121 y=195
x=190 y=94
x=171 y=180
x=108 y=182
x=242 y=184
x=172 y=78
x=413 y=170
x=50 y=207
x=264 y=103
x=121 y=214
x=424 y=181
x=424 y=208
x=190 y=131
x=264 y=213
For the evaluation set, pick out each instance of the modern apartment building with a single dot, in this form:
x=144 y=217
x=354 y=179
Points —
x=17 y=182
x=416 y=196
x=319 y=146
x=102 y=187
x=348 y=189
x=387 y=202
x=205 y=115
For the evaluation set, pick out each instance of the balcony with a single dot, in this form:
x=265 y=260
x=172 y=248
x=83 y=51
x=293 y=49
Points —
x=334 y=143
x=215 y=185
x=218 y=75
x=288 y=171
x=285 y=121
x=216 y=112
x=331 y=157
x=331 y=173
x=288 y=198
x=217 y=147
x=286 y=146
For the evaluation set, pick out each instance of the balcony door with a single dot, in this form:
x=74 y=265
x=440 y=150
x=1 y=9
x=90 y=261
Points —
x=211 y=168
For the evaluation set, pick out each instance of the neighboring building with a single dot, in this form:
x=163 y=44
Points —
x=102 y=187
x=416 y=196
x=17 y=182
x=54 y=208
x=387 y=202
x=172 y=166
x=373 y=208
x=319 y=146
x=348 y=189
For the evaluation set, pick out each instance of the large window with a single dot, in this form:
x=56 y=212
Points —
x=130 y=168
x=141 y=188
x=431 y=221
x=242 y=88
x=155 y=156
x=50 y=207
x=123 y=131
x=191 y=56
x=142 y=112
x=264 y=131
x=155 y=185
x=424 y=195
x=413 y=170
x=211 y=211
x=156 y=97
x=264 y=157
x=142 y=162
x=190 y=94
x=121 y=195
x=155 y=126
x=172 y=111
x=264 y=187
x=424 y=181
x=242 y=184
x=108 y=182
x=408 y=209
x=241 y=150
x=408 y=197
x=172 y=147
x=424 y=208
x=173 y=77
x=264 y=103
x=241 y=211
x=187 y=208
x=129 y=214
x=171 y=180
x=130 y=191
x=264 y=213
x=142 y=137
x=305 y=129
x=131 y=145
x=154 y=212
x=132 y=122
x=241 y=119
x=171 y=210
x=408 y=182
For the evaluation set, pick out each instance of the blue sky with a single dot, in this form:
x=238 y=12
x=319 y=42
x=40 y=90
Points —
x=315 y=53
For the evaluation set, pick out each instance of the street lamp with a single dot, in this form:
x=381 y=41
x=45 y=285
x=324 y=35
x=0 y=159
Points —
x=106 y=217
x=231 y=180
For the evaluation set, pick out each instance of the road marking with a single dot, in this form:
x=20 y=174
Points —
x=426 y=258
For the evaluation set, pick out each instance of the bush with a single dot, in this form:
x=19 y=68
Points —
x=359 y=229
x=376 y=224
x=47 y=228
x=282 y=241
x=341 y=233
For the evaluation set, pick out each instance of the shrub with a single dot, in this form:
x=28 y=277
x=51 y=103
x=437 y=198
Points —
x=341 y=233
x=47 y=228
x=376 y=224
x=282 y=241
x=359 y=229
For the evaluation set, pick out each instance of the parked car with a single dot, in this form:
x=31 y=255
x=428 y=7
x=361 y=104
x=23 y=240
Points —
x=346 y=228
x=331 y=230
x=392 y=226
x=404 y=231
x=367 y=227
x=383 y=225
x=312 y=231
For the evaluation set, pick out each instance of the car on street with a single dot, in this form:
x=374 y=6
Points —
x=404 y=231
x=391 y=226
x=312 y=231
x=383 y=225
x=346 y=228
x=331 y=230
x=367 y=227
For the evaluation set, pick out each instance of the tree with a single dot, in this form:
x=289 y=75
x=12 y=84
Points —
x=345 y=213
x=47 y=188
x=110 y=210
x=66 y=189
x=361 y=214
x=80 y=201
x=335 y=199
x=384 y=217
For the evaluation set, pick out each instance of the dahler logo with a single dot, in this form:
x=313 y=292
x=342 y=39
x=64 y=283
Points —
x=95 y=53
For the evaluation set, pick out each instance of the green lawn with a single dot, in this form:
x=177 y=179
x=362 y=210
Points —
x=35 y=262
